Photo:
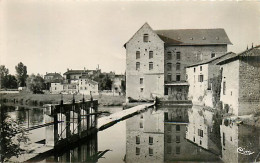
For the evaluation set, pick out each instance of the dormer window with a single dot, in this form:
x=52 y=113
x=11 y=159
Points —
x=146 y=38
x=191 y=38
x=203 y=38
x=217 y=38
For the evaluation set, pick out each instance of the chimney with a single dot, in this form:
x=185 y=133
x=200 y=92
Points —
x=252 y=45
x=247 y=47
x=46 y=73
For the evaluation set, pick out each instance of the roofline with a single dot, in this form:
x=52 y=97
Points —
x=206 y=62
x=238 y=56
x=201 y=44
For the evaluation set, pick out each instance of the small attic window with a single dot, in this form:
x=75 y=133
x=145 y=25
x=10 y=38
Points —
x=217 y=38
x=179 y=38
x=191 y=38
x=146 y=38
x=204 y=38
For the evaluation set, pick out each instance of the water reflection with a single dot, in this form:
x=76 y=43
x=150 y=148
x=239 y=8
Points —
x=166 y=134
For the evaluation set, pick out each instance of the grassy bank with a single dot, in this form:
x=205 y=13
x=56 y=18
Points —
x=41 y=99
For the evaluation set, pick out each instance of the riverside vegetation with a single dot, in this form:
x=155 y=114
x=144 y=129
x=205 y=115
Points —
x=26 y=98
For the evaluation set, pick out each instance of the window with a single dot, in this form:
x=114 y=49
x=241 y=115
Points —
x=178 y=139
x=146 y=38
x=169 y=149
x=178 y=77
x=200 y=78
x=193 y=139
x=169 y=77
x=178 y=150
x=141 y=116
x=194 y=69
x=169 y=66
x=137 y=54
x=169 y=128
x=178 y=128
x=150 y=65
x=141 y=89
x=85 y=88
x=224 y=88
x=150 y=140
x=137 y=151
x=200 y=142
x=137 y=140
x=178 y=66
x=178 y=55
x=141 y=80
x=137 y=65
x=150 y=54
x=169 y=138
x=169 y=55
x=213 y=55
x=200 y=132
x=200 y=68
x=141 y=125
x=150 y=151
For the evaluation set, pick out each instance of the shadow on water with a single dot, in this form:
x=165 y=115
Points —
x=163 y=134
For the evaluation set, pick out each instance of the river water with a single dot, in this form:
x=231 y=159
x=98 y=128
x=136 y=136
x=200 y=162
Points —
x=163 y=134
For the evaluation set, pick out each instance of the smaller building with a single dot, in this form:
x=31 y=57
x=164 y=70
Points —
x=52 y=78
x=87 y=86
x=74 y=75
x=240 y=86
x=204 y=80
x=56 y=88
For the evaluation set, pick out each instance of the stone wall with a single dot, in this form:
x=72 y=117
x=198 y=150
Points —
x=249 y=86
x=136 y=43
x=190 y=55
x=230 y=75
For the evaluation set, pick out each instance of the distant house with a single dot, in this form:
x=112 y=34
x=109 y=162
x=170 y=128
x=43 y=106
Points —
x=204 y=79
x=156 y=59
x=74 y=75
x=240 y=87
x=56 y=88
x=86 y=86
x=52 y=78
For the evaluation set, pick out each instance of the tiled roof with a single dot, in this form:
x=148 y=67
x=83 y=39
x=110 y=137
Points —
x=78 y=71
x=194 y=36
x=53 y=74
x=253 y=52
x=215 y=59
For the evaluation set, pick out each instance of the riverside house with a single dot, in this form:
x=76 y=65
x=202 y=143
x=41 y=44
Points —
x=156 y=59
x=204 y=79
x=240 y=86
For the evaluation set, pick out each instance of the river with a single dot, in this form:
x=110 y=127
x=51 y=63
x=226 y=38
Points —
x=162 y=134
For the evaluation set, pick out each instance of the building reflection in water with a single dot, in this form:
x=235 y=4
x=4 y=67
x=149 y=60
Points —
x=177 y=146
x=145 y=137
x=200 y=129
x=240 y=143
x=159 y=135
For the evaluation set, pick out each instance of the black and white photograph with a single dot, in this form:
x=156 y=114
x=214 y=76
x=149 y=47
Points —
x=134 y=81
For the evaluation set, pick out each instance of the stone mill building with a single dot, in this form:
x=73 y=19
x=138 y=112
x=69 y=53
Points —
x=156 y=59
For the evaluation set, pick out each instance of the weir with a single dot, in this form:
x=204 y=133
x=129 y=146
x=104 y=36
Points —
x=71 y=122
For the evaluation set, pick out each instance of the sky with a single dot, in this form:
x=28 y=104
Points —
x=51 y=36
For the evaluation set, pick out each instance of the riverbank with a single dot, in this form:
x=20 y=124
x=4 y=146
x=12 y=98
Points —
x=41 y=99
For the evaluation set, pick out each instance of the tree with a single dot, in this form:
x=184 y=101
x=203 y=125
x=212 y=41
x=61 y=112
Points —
x=35 y=83
x=10 y=142
x=21 y=74
x=7 y=80
x=3 y=73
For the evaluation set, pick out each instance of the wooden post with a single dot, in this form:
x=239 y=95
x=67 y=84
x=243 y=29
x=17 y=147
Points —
x=79 y=119
x=55 y=118
x=67 y=114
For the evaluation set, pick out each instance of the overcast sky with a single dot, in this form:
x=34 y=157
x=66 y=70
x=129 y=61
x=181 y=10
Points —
x=51 y=36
